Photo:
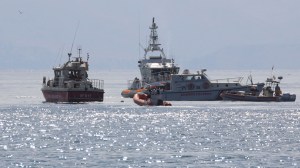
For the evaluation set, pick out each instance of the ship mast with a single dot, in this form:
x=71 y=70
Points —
x=153 y=41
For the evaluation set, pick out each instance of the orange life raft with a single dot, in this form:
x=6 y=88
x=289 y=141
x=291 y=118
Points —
x=143 y=99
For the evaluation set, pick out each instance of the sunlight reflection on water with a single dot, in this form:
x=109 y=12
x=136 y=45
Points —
x=121 y=134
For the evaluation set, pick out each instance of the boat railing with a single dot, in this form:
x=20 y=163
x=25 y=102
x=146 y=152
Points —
x=97 y=83
x=57 y=82
x=228 y=80
x=129 y=83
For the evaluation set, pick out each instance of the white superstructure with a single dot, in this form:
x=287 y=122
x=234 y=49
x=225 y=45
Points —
x=155 y=66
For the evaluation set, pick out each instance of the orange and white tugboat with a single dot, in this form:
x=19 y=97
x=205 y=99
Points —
x=71 y=83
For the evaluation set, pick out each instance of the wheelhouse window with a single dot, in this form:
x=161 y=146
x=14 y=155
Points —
x=57 y=73
x=74 y=74
x=193 y=77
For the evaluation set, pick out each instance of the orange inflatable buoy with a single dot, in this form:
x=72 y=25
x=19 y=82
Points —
x=143 y=99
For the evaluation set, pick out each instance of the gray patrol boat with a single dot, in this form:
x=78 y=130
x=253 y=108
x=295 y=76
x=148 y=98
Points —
x=198 y=87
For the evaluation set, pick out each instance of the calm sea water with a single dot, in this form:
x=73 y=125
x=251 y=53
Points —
x=122 y=134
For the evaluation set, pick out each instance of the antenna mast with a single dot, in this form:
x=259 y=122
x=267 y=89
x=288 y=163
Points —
x=139 y=37
x=70 y=53
x=153 y=41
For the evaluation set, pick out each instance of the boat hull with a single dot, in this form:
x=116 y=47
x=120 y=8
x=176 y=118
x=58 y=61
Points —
x=237 y=97
x=233 y=97
x=191 y=95
x=201 y=95
x=73 y=96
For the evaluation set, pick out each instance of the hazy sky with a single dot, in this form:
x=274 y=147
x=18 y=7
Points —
x=212 y=34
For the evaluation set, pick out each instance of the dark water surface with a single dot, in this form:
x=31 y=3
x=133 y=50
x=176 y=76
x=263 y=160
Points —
x=117 y=134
